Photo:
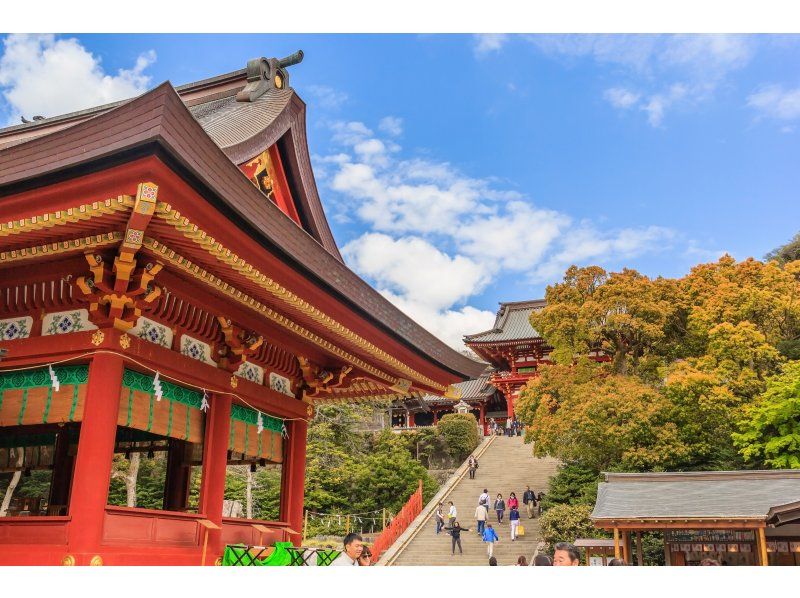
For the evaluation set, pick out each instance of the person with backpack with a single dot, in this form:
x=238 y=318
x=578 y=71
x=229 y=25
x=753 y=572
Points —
x=472 y=465
x=499 y=507
x=490 y=537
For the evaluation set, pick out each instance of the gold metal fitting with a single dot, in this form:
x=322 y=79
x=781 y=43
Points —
x=68 y=561
x=97 y=561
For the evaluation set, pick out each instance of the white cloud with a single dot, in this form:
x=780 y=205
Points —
x=659 y=102
x=585 y=243
x=486 y=43
x=671 y=70
x=43 y=75
x=391 y=125
x=326 y=96
x=413 y=267
x=437 y=237
x=619 y=97
x=776 y=102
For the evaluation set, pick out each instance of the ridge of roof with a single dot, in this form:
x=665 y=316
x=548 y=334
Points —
x=693 y=476
x=160 y=119
x=185 y=88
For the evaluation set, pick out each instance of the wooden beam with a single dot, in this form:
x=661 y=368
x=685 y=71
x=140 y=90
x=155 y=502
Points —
x=626 y=547
x=639 y=555
x=616 y=543
x=761 y=543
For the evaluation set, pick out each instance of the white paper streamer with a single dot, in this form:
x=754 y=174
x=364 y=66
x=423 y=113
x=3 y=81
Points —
x=260 y=423
x=204 y=403
x=54 y=379
x=158 y=391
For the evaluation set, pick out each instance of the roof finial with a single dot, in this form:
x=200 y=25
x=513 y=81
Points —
x=264 y=74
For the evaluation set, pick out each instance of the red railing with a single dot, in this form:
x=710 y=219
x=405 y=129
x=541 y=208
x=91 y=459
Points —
x=399 y=524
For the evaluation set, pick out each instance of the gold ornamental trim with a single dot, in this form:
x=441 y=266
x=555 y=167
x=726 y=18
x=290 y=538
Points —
x=226 y=256
x=180 y=262
x=66 y=216
x=68 y=561
x=72 y=245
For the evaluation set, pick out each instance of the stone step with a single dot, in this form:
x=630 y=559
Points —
x=507 y=465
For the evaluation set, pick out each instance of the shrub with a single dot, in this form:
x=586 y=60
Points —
x=460 y=433
x=566 y=523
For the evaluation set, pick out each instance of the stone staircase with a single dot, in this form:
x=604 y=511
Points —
x=506 y=465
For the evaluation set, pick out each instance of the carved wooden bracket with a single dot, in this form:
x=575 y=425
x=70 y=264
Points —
x=239 y=344
x=118 y=294
x=318 y=380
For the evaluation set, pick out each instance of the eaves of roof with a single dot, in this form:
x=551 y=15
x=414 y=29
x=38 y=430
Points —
x=159 y=121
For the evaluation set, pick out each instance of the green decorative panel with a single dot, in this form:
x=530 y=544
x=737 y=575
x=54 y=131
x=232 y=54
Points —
x=69 y=374
x=250 y=416
x=143 y=382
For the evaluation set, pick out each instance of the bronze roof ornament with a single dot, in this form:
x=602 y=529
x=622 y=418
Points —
x=264 y=74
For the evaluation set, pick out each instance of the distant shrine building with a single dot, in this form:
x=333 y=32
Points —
x=513 y=352
x=169 y=285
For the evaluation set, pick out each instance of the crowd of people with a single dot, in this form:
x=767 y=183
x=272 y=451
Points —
x=484 y=528
x=512 y=427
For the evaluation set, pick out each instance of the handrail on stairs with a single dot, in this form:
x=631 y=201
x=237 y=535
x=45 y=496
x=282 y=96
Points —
x=399 y=523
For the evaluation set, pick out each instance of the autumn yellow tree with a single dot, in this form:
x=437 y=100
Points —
x=623 y=314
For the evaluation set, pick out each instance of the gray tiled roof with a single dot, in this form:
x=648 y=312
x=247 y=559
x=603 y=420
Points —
x=511 y=323
x=474 y=389
x=229 y=122
x=696 y=495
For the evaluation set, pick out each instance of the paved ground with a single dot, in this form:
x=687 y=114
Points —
x=506 y=466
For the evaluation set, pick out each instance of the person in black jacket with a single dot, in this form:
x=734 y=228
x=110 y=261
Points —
x=455 y=531
x=499 y=507
x=529 y=500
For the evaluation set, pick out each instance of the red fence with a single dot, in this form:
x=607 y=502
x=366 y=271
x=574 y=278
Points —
x=399 y=524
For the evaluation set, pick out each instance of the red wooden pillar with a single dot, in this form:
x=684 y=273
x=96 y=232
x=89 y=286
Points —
x=411 y=420
x=296 y=478
x=435 y=416
x=215 y=462
x=95 y=454
x=510 y=404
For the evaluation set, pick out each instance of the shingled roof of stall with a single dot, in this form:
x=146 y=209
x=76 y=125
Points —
x=715 y=495
x=165 y=121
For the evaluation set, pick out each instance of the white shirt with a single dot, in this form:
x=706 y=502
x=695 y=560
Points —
x=452 y=512
x=484 y=498
x=344 y=560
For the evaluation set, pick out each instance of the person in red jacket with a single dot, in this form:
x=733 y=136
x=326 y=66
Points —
x=512 y=501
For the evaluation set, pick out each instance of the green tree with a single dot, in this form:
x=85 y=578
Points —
x=460 y=433
x=786 y=253
x=770 y=430
x=567 y=523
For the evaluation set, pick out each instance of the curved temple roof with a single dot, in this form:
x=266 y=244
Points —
x=512 y=323
x=206 y=133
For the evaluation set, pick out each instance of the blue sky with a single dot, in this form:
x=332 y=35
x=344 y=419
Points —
x=458 y=171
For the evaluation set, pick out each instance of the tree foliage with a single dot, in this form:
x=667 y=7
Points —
x=460 y=433
x=770 y=430
x=698 y=377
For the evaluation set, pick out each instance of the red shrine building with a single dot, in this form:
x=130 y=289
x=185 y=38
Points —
x=169 y=286
x=513 y=349
x=513 y=352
